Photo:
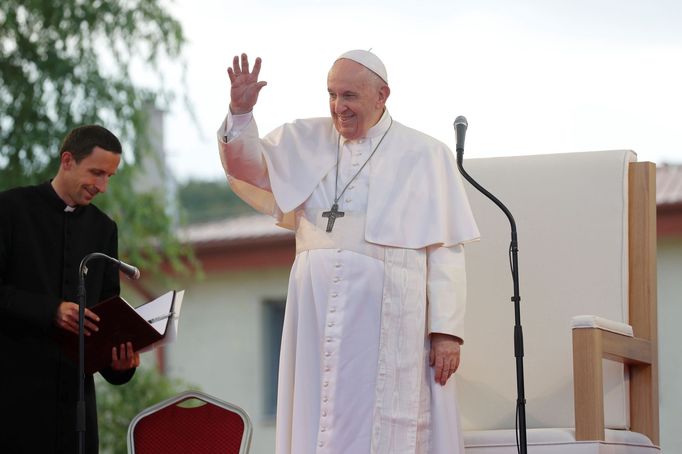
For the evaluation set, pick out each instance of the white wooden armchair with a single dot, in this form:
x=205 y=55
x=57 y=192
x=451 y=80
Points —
x=587 y=245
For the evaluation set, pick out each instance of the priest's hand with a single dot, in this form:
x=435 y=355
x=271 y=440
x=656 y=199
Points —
x=67 y=318
x=245 y=85
x=444 y=356
x=125 y=358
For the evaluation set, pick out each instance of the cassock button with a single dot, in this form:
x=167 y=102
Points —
x=320 y=444
x=334 y=295
x=330 y=324
x=327 y=354
x=337 y=279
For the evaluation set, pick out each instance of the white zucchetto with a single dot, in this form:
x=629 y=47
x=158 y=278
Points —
x=368 y=60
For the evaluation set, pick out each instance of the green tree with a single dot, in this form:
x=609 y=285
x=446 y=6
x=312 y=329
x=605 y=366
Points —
x=68 y=63
x=118 y=405
x=203 y=201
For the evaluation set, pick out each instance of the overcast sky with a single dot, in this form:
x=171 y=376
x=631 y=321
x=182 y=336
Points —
x=541 y=76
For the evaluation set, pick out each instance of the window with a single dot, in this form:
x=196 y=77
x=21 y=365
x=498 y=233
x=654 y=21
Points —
x=272 y=329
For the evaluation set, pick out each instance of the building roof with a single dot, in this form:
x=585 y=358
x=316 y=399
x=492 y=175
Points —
x=255 y=227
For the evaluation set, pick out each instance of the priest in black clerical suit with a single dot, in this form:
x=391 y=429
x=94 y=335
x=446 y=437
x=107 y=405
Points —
x=45 y=231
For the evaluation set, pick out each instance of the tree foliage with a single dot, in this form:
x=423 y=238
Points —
x=203 y=201
x=68 y=63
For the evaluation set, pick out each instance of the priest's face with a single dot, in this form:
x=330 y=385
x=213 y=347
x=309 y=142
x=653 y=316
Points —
x=357 y=98
x=77 y=183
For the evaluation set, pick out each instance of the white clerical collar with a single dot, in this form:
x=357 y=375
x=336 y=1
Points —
x=375 y=131
x=69 y=209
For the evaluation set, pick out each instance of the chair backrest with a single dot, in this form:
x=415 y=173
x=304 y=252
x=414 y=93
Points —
x=572 y=216
x=207 y=426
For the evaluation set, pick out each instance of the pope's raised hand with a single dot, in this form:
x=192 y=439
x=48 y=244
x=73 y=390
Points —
x=245 y=85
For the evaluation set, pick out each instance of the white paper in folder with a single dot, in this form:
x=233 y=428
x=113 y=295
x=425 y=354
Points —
x=163 y=314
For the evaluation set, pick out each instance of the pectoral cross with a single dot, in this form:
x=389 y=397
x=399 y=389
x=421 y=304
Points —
x=332 y=215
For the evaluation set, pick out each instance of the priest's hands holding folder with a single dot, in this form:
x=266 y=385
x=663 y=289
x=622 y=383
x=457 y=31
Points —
x=123 y=358
x=126 y=359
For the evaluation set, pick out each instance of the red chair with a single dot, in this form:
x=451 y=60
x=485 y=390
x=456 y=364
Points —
x=191 y=422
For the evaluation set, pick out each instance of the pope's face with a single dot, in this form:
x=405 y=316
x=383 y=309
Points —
x=356 y=98
x=83 y=180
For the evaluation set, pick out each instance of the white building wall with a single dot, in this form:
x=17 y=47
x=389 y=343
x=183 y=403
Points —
x=670 y=342
x=220 y=343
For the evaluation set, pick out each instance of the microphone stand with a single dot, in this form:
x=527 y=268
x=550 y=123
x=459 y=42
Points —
x=80 y=405
x=516 y=299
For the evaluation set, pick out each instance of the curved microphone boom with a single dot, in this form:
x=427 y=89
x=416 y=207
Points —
x=461 y=125
x=129 y=270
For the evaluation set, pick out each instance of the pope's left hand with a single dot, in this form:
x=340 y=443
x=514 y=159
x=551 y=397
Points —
x=125 y=358
x=444 y=356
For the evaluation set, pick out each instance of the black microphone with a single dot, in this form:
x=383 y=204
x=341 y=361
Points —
x=129 y=270
x=461 y=125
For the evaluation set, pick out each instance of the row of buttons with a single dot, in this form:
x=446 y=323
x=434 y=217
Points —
x=329 y=352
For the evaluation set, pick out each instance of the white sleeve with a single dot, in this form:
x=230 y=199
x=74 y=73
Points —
x=240 y=153
x=446 y=289
x=233 y=126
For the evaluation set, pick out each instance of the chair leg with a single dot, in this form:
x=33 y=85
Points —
x=588 y=384
x=643 y=414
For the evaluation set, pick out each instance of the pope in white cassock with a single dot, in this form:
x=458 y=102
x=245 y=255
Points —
x=376 y=296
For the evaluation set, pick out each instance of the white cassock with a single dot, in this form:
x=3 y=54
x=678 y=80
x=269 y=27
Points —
x=354 y=374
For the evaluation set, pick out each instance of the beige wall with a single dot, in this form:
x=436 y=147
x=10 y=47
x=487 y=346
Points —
x=670 y=342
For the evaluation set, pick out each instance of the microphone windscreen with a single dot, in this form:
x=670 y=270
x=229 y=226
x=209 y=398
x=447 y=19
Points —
x=461 y=120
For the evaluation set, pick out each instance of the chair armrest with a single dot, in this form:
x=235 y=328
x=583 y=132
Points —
x=594 y=321
x=590 y=346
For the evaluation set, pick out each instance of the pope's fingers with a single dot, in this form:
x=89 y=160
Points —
x=245 y=63
x=256 y=68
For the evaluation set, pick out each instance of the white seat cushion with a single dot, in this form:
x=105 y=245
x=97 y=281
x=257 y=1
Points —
x=557 y=441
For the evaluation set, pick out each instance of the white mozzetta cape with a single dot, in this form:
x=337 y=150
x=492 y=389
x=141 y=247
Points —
x=413 y=177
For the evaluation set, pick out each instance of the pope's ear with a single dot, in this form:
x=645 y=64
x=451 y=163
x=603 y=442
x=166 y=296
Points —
x=384 y=93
